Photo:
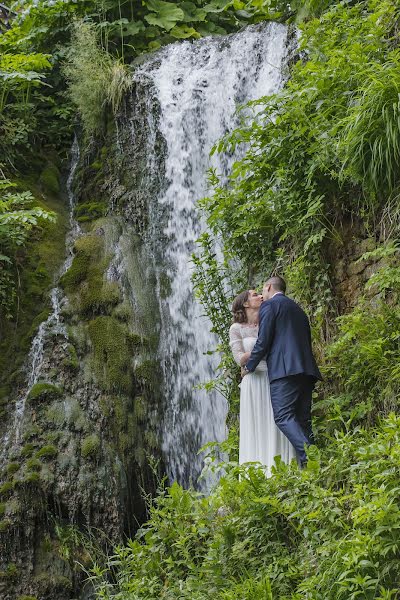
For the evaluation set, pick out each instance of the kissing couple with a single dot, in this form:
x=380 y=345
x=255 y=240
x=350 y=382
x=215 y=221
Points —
x=270 y=339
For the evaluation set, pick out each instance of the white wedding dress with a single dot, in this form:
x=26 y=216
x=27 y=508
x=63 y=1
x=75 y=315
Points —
x=260 y=439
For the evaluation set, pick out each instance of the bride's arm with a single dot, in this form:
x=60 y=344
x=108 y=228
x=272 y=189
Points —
x=236 y=344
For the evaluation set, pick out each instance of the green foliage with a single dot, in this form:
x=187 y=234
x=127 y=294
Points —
x=300 y=175
x=90 y=446
x=328 y=531
x=95 y=79
x=19 y=218
x=363 y=362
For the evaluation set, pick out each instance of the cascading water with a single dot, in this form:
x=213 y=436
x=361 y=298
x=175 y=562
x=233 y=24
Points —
x=51 y=326
x=198 y=87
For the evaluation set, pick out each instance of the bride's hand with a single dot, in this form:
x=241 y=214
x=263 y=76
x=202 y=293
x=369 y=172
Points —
x=244 y=359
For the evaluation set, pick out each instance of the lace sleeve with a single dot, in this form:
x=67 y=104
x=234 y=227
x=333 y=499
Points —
x=236 y=342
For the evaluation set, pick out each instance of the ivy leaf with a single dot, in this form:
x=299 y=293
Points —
x=167 y=14
x=182 y=32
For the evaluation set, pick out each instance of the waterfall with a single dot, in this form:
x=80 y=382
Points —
x=51 y=326
x=198 y=87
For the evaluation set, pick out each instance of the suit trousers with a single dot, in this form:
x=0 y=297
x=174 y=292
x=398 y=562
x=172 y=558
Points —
x=291 y=402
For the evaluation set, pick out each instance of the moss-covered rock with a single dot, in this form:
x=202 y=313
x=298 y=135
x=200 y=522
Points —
x=5 y=525
x=89 y=211
x=111 y=353
x=27 y=450
x=46 y=452
x=72 y=361
x=98 y=296
x=44 y=391
x=76 y=273
x=10 y=572
x=33 y=464
x=6 y=488
x=145 y=372
x=12 y=468
x=90 y=446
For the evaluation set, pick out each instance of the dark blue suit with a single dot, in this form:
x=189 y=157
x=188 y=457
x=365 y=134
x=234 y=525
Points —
x=284 y=338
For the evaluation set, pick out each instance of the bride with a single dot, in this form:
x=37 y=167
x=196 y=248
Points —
x=260 y=439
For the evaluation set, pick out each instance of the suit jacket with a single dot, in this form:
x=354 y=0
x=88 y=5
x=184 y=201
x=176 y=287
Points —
x=284 y=338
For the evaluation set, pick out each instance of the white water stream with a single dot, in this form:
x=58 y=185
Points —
x=198 y=87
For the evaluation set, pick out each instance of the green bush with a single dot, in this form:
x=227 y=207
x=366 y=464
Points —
x=326 y=532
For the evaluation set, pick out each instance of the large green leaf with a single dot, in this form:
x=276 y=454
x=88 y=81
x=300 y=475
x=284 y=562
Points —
x=192 y=13
x=209 y=27
x=217 y=6
x=166 y=14
x=182 y=32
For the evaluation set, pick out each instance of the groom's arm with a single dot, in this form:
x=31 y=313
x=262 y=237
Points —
x=265 y=336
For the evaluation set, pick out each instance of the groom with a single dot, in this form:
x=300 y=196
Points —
x=284 y=338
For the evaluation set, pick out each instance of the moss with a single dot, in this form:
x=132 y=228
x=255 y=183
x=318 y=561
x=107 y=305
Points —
x=12 y=468
x=90 y=211
x=145 y=372
x=151 y=439
x=27 y=450
x=85 y=282
x=46 y=452
x=2 y=508
x=5 y=525
x=139 y=408
x=27 y=597
x=76 y=273
x=138 y=341
x=110 y=353
x=123 y=312
x=32 y=430
x=55 y=415
x=90 y=245
x=33 y=464
x=6 y=488
x=98 y=296
x=10 y=572
x=50 y=178
x=90 y=446
x=72 y=361
x=44 y=391
x=32 y=477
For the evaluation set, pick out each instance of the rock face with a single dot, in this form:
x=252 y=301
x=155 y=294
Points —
x=82 y=439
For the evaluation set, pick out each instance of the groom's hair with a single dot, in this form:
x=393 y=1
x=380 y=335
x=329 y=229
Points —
x=278 y=283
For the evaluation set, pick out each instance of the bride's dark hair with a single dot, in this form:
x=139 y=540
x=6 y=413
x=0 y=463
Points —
x=238 y=308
